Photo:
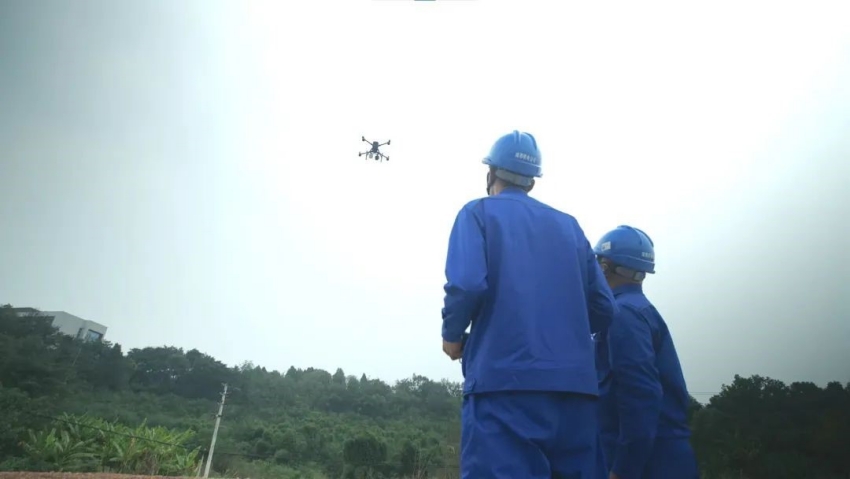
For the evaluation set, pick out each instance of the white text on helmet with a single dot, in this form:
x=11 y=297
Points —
x=647 y=255
x=526 y=157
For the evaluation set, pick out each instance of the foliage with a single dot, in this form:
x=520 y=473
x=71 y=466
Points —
x=317 y=424
x=85 y=444
x=760 y=427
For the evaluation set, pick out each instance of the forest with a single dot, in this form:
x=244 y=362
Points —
x=75 y=406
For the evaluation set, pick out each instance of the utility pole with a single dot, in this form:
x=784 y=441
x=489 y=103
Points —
x=215 y=431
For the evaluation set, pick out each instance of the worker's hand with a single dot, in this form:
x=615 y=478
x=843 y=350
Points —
x=613 y=476
x=453 y=350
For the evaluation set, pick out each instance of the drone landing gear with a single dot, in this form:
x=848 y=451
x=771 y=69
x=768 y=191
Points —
x=374 y=151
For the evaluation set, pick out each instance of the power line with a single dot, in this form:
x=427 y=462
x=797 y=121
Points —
x=142 y=438
x=205 y=451
x=189 y=448
x=117 y=433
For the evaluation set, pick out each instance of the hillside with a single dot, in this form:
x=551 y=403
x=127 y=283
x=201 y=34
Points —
x=314 y=423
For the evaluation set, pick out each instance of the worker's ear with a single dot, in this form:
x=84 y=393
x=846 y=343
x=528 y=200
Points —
x=530 y=187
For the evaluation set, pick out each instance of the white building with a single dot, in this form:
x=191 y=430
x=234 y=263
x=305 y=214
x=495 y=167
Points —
x=69 y=324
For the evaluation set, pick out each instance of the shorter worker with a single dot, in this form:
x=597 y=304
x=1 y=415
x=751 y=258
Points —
x=644 y=401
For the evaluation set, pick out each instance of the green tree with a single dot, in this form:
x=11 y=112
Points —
x=309 y=423
x=365 y=456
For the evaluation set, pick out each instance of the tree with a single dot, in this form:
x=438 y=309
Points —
x=365 y=456
x=313 y=424
x=760 y=427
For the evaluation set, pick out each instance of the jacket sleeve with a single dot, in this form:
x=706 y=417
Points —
x=600 y=300
x=466 y=273
x=639 y=392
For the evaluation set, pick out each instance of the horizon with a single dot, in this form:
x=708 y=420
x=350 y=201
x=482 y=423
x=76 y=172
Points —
x=702 y=396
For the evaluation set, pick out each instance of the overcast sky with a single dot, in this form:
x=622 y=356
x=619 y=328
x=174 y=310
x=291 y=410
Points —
x=186 y=173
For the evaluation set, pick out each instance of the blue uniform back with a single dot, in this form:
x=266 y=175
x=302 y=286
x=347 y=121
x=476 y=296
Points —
x=643 y=396
x=638 y=317
x=525 y=276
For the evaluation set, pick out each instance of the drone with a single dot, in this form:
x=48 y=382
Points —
x=374 y=151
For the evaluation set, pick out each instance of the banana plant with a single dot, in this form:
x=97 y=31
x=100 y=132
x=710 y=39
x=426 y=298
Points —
x=59 y=450
x=87 y=444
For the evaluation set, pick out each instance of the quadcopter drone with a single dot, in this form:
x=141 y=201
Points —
x=374 y=151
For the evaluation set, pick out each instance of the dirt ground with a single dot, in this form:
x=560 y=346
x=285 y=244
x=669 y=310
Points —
x=68 y=475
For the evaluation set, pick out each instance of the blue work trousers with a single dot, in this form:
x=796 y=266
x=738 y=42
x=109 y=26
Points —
x=671 y=458
x=528 y=435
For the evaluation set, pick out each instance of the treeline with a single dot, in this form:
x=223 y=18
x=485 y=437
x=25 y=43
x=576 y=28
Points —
x=315 y=424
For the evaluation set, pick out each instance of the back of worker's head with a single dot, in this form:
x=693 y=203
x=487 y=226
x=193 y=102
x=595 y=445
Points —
x=514 y=160
x=626 y=254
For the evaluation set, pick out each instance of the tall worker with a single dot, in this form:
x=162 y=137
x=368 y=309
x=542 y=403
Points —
x=643 y=397
x=524 y=276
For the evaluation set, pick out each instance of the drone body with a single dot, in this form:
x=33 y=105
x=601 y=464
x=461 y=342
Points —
x=374 y=151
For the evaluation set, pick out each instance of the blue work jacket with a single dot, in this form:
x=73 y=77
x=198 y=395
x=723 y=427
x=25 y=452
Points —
x=643 y=395
x=524 y=276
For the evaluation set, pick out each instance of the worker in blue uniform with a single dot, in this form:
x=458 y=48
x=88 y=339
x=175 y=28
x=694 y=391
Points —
x=644 y=401
x=524 y=277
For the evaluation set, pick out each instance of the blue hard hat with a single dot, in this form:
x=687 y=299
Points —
x=628 y=247
x=517 y=153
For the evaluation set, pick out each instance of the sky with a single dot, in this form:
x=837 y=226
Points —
x=186 y=173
